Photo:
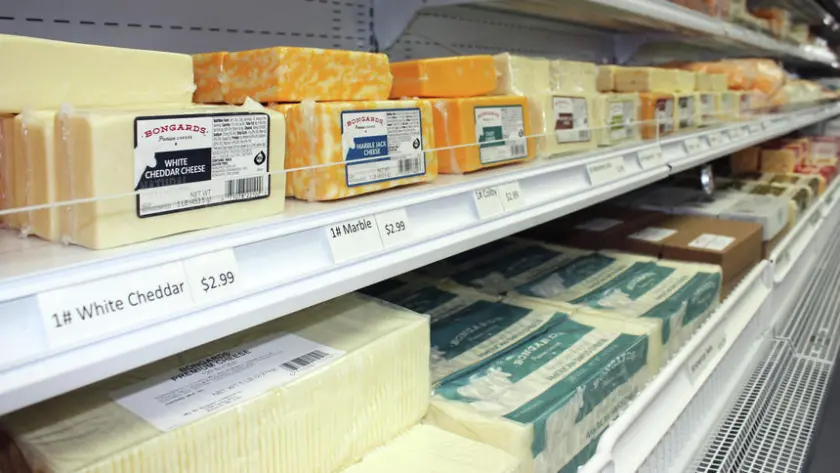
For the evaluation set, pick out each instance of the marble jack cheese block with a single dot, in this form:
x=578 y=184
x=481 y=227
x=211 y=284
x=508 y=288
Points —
x=51 y=73
x=427 y=449
x=194 y=168
x=337 y=150
x=311 y=392
x=457 y=76
x=545 y=399
x=616 y=118
x=208 y=69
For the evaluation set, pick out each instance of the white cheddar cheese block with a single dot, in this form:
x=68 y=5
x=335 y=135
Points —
x=605 y=81
x=567 y=123
x=686 y=81
x=545 y=399
x=7 y=161
x=427 y=449
x=309 y=392
x=194 y=168
x=572 y=77
x=710 y=108
x=615 y=118
x=35 y=173
x=646 y=79
x=51 y=73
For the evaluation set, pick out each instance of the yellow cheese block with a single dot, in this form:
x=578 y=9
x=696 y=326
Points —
x=21 y=178
x=616 y=118
x=289 y=74
x=108 y=154
x=35 y=173
x=208 y=68
x=495 y=128
x=520 y=75
x=646 y=79
x=605 y=81
x=659 y=114
x=458 y=76
x=572 y=77
x=309 y=392
x=688 y=111
x=569 y=119
x=7 y=169
x=729 y=106
x=50 y=73
x=337 y=150
x=781 y=161
x=284 y=108
x=686 y=81
x=708 y=82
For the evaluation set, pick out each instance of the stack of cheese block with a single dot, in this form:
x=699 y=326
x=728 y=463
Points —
x=95 y=126
x=811 y=156
x=716 y=103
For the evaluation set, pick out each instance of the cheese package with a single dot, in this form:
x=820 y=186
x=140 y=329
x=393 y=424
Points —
x=208 y=69
x=659 y=114
x=616 y=118
x=688 y=111
x=729 y=105
x=816 y=183
x=769 y=211
x=479 y=132
x=647 y=79
x=709 y=108
x=470 y=258
x=779 y=19
x=570 y=121
x=686 y=81
x=572 y=77
x=21 y=170
x=291 y=74
x=106 y=154
x=605 y=81
x=83 y=75
x=544 y=400
x=779 y=160
x=427 y=449
x=308 y=392
x=799 y=198
x=438 y=300
x=458 y=76
x=529 y=78
x=707 y=82
x=7 y=170
x=35 y=173
x=337 y=150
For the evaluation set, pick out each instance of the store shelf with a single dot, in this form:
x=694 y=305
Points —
x=679 y=413
x=280 y=265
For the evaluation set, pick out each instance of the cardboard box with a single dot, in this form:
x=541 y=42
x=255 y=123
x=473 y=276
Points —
x=648 y=240
x=594 y=229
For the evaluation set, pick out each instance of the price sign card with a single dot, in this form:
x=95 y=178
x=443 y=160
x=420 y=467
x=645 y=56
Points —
x=755 y=128
x=213 y=276
x=606 y=171
x=715 y=139
x=511 y=196
x=693 y=145
x=487 y=203
x=354 y=238
x=651 y=157
x=394 y=228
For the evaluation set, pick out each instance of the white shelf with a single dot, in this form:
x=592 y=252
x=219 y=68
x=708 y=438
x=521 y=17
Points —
x=284 y=264
x=664 y=426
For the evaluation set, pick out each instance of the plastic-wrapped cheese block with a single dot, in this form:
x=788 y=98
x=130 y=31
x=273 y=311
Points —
x=20 y=172
x=616 y=118
x=658 y=114
x=7 y=170
x=605 y=81
x=780 y=160
x=290 y=74
x=799 y=197
x=572 y=77
x=709 y=104
x=479 y=132
x=729 y=106
x=471 y=258
x=545 y=399
x=35 y=173
x=573 y=118
x=344 y=149
x=208 y=68
x=51 y=73
x=707 y=82
x=209 y=167
x=686 y=81
x=688 y=111
x=427 y=449
x=769 y=211
x=646 y=79
x=309 y=392
x=458 y=76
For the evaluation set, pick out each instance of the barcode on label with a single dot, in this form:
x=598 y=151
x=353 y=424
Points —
x=518 y=149
x=410 y=165
x=304 y=361
x=246 y=187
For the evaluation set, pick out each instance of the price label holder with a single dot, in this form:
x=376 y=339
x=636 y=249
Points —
x=754 y=128
x=488 y=204
x=394 y=227
x=650 y=157
x=693 y=145
x=353 y=238
x=715 y=139
x=703 y=358
x=511 y=196
x=213 y=276
x=606 y=171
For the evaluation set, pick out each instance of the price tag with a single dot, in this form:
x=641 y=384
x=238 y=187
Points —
x=511 y=196
x=754 y=128
x=93 y=309
x=394 y=228
x=353 y=239
x=701 y=359
x=214 y=276
x=693 y=145
x=606 y=171
x=651 y=157
x=715 y=139
x=724 y=138
x=487 y=203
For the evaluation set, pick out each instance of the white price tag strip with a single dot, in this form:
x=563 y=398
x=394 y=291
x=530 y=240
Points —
x=702 y=358
x=353 y=239
x=214 y=276
x=755 y=128
x=715 y=139
x=394 y=228
x=606 y=171
x=89 y=310
x=487 y=203
x=511 y=196
x=651 y=157
x=693 y=145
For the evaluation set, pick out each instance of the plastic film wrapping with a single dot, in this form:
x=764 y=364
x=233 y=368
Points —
x=459 y=76
x=659 y=114
x=208 y=69
x=337 y=150
x=605 y=81
x=573 y=77
x=648 y=79
x=616 y=118
x=288 y=415
x=37 y=177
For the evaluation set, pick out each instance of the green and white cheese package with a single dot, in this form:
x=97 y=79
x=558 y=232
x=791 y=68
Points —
x=547 y=398
x=275 y=398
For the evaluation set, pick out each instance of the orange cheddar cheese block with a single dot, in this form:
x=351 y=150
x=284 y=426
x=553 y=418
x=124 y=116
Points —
x=496 y=128
x=658 y=114
x=207 y=69
x=289 y=74
x=7 y=161
x=459 y=76
x=780 y=161
x=336 y=150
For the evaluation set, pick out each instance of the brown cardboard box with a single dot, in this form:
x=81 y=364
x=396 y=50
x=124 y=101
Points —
x=650 y=239
x=730 y=286
x=732 y=245
x=768 y=246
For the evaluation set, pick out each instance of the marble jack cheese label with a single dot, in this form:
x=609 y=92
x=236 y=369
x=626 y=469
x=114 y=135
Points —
x=382 y=145
x=500 y=133
x=197 y=161
x=195 y=390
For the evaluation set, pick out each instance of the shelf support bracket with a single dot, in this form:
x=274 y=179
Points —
x=392 y=17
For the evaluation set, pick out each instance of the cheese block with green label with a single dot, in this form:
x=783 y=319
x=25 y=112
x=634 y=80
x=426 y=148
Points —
x=545 y=399
x=309 y=392
x=194 y=168
x=427 y=449
x=616 y=118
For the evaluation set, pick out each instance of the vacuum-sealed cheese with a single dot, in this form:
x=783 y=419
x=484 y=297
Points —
x=35 y=173
x=456 y=76
x=647 y=79
x=616 y=118
x=7 y=170
x=309 y=392
x=605 y=81
x=208 y=69
x=572 y=77
x=659 y=114
x=688 y=110
x=686 y=81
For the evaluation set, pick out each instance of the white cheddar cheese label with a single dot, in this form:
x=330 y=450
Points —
x=606 y=171
x=710 y=241
x=651 y=157
x=353 y=239
x=653 y=234
x=500 y=132
x=598 y=224
x=488 y=203
x=97 y=308
x=571 y=120
x=194 y=161
x=382 y=145
x=198 y=389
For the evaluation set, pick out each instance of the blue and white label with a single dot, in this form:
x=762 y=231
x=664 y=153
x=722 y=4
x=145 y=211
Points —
x=500 y=132
x=382 y=145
